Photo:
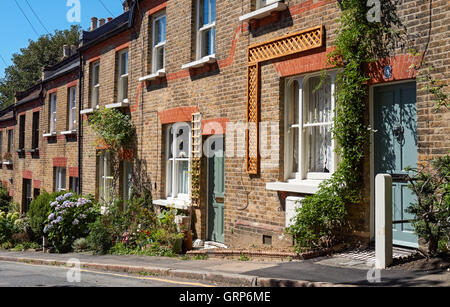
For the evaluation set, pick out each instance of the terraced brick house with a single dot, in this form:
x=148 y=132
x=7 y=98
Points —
x=41 y=134
x=231 y=123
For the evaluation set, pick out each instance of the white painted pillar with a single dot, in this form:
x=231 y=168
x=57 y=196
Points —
x=383 y=221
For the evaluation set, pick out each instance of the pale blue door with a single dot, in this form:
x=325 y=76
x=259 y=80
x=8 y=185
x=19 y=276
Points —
x=395 y=148
x=216 y=194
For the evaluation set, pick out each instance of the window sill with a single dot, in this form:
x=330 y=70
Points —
x=296 y=186
x=159 y=74
x=69 y=132
x=264 y=12
x=122 y=104
x=46 y=135
x=88 y=111
x=173 y=203
x=7 y=163
x=199 y=63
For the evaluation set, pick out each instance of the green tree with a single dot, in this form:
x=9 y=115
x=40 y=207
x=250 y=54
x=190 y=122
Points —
x=26 y=69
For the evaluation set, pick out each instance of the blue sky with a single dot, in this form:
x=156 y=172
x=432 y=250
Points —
x=15 y=30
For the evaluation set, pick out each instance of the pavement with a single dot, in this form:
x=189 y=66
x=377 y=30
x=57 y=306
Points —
x=338 y=270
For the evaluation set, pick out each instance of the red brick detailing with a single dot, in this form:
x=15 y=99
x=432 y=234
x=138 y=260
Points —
x=11 y=193
x=73 y=172
x=53 y=90
x=93 y=54
x=229 y=60
x=134 y=107
x=94 y=59
x=306 y=6
x=27 y=174
x=214 y=126
x=22 y=113
x=37 y=109
x=60 y=162
x=123 y=46
x=401 y=68
x=72 y=84
x=10 y=128
x=182 y=114
x=178 y=75
x=308 y=61
x=157 y=8
x=37 y=184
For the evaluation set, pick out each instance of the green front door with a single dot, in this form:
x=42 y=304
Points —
x=216 y=194
x=395 y=148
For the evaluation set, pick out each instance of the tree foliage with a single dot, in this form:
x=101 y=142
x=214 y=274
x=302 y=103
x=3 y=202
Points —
x=26 y=69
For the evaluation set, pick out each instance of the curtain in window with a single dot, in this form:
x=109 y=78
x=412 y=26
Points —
x=318 y=127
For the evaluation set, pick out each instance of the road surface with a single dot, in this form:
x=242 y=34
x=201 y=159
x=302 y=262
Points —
x=14 y=274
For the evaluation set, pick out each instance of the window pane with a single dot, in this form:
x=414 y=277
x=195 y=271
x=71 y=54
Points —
x=213 y=10
x=318 y=108
x=295 y=149
x=182 y=142
x=205 y=12
x=320 y=154
x=159 y=58
x=183 y=177
x=169 y=177
x=124 y=63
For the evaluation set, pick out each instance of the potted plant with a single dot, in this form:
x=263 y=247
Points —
x=7 y=157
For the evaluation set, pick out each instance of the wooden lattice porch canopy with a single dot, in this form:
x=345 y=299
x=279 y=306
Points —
x=283 y=46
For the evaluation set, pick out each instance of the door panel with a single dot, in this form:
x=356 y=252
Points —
x=395 y=148
x=216 y=195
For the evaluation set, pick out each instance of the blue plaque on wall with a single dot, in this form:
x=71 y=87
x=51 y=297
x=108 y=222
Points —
x=387 y=71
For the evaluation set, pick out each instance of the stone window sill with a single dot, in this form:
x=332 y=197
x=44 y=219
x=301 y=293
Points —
x=203 y=61
x=264 y=11
x=88 y=111
x=122 y=104
x=49 y=134
x=69 y=132
x=296 y=186
x=176 y=203
x=159 y=74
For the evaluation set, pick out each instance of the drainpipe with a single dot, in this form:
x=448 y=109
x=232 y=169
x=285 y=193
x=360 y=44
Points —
x=80 y=127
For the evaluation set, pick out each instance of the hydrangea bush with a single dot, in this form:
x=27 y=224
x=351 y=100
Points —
x=68 y=220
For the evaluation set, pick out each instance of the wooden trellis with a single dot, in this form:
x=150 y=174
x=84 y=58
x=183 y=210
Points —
x=196 y=158
x=283 y=46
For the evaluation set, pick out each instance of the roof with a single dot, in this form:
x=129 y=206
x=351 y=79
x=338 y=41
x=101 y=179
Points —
x=30 y=94
x=7 y=113
x=109 y=29
x=61 y=68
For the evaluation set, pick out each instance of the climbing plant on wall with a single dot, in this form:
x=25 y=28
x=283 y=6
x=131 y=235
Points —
x=323 y=216
x=115 y=133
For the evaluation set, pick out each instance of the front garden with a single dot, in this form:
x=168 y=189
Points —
x=73 y=223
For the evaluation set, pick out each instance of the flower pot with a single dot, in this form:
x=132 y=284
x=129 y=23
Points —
x=177 y=245
x=188 y=240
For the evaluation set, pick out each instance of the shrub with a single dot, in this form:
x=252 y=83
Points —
x=68 y=220
x=99 y=239
x=7 y=227
x=80 y=245
x=5 y=200
x=39 y=211
x=432 y=209
x=319 y=220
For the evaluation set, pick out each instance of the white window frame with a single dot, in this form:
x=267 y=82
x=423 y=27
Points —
x=123 y=76
x=53 y=102
x=72 y=108
x=172 y=184
x=211 y=26
x=104 y=164
x=60 y=179
x=95 y=87
x=157 y=46
x=302 y=173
